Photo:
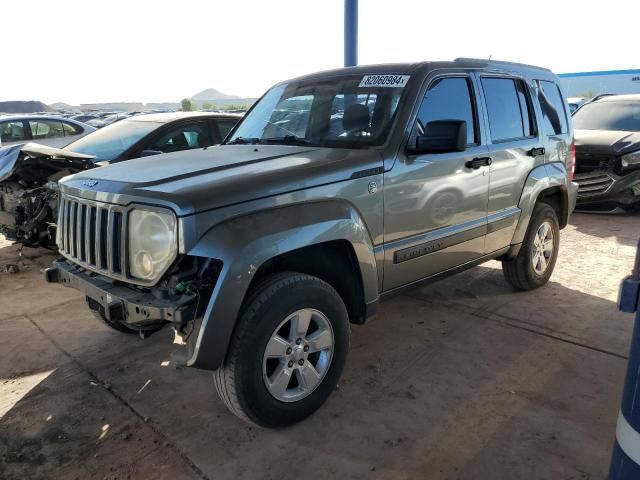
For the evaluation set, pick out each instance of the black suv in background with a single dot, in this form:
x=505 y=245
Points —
x=607 y=139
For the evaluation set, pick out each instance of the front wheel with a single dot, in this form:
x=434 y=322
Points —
x=287 y=352
x=536 y=260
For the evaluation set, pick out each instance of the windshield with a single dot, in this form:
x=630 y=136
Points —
x=617 y=115
x=109 y=142
x=343 y=112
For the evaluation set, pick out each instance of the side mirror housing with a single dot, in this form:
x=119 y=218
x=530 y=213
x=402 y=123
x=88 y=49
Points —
x=442 y=136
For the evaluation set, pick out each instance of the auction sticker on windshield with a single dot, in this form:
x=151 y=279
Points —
x=387 y=81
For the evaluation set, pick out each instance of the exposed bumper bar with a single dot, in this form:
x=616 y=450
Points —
x=119 y=303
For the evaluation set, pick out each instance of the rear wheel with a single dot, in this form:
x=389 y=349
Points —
x=536 y=260
x=287 y=353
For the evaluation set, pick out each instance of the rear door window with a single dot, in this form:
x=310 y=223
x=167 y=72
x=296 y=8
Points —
x=554 y=116
x=508 y=108
x=46 y=129
x=12 y=131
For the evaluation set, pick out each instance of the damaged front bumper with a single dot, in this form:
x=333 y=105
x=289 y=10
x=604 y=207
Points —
x=120 y=303
x=605 y=189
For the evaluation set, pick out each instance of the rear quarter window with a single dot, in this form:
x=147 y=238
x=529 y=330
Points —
x=554 y=117
x=70 y=129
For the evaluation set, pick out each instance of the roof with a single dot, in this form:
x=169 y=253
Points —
x=600 y=73
x=172 y=116
x=33 y=116
x=408 y=68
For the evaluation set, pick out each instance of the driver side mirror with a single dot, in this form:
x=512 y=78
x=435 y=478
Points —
x=441 y=136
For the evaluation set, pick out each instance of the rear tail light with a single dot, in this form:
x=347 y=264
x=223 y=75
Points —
x=572 y=169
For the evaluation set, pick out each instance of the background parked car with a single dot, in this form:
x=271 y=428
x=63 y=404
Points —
x=607 y=138
x=144 y=135
x=53 y=131
x=84 y=117
x=105 y=120
x=576 y=102
x=28 y=173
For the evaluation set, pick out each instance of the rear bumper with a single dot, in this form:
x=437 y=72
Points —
x=120 y=303
x=572 y=196
x=603 y=188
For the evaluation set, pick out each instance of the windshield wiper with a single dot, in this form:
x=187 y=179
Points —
x=288 y=140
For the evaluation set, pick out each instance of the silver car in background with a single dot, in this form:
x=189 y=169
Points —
x=50 y=130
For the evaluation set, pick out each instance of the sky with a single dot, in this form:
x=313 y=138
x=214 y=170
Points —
x=80 y=51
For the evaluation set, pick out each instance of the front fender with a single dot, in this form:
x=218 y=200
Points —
x=243 y=244
x=541 y=178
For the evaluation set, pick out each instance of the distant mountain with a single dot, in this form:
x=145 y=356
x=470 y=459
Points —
x=23 y=107
x=62 y=106
x=211 y=94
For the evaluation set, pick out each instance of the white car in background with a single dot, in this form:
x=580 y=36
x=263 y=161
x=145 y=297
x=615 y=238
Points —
x=576 y=102
x=48 y=130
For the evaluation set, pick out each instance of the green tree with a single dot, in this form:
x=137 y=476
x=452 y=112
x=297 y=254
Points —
x=207 y=106
x=188 y=105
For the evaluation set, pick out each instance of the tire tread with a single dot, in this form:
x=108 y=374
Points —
x=225 y=377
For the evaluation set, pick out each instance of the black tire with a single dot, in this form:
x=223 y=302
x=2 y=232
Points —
x=519 y=271
x=240 y=382
x=122 y=328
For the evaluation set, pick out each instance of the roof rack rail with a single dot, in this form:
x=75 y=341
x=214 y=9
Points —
x=501 y=62
x=602 y=95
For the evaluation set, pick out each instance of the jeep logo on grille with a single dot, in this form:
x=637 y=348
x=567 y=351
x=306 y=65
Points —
x=90 y=183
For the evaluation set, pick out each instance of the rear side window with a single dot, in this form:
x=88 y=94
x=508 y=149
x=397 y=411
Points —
x=553 y=113
x=447 y=99
x=46 y=129
x=508 y=107
x=70 y=129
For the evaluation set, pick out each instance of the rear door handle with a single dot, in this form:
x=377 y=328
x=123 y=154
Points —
x=478 y=162
x=534 y=152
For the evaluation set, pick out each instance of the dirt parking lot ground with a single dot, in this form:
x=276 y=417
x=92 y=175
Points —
x=464 y=379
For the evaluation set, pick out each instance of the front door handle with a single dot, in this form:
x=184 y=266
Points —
x=478 y=162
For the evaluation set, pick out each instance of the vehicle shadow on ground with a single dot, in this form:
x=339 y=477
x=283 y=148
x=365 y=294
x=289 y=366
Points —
x=608 y=225
x=463 y=378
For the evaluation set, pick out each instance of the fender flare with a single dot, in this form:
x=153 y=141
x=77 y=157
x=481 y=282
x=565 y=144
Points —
x=541 y=178
x=245 y=243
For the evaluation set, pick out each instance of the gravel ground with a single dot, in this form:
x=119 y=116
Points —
x=464 y=379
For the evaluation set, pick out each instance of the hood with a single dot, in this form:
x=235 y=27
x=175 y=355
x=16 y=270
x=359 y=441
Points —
x=610 y=142
x=11 y=156
x=197 y=180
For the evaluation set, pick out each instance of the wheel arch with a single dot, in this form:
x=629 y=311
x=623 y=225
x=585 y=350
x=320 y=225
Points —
x=313 y=238
x=546 y=183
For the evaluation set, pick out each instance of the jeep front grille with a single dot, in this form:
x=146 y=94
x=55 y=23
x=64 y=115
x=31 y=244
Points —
x=93 y=235
x=594 y=183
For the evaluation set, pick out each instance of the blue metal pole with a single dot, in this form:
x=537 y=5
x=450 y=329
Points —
x=625 y=460
x=350 y=33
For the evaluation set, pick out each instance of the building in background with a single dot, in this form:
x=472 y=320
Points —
x=590 y=84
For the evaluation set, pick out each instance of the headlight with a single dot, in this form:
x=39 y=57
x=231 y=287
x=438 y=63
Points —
x=631 y=159
x=152 y=242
